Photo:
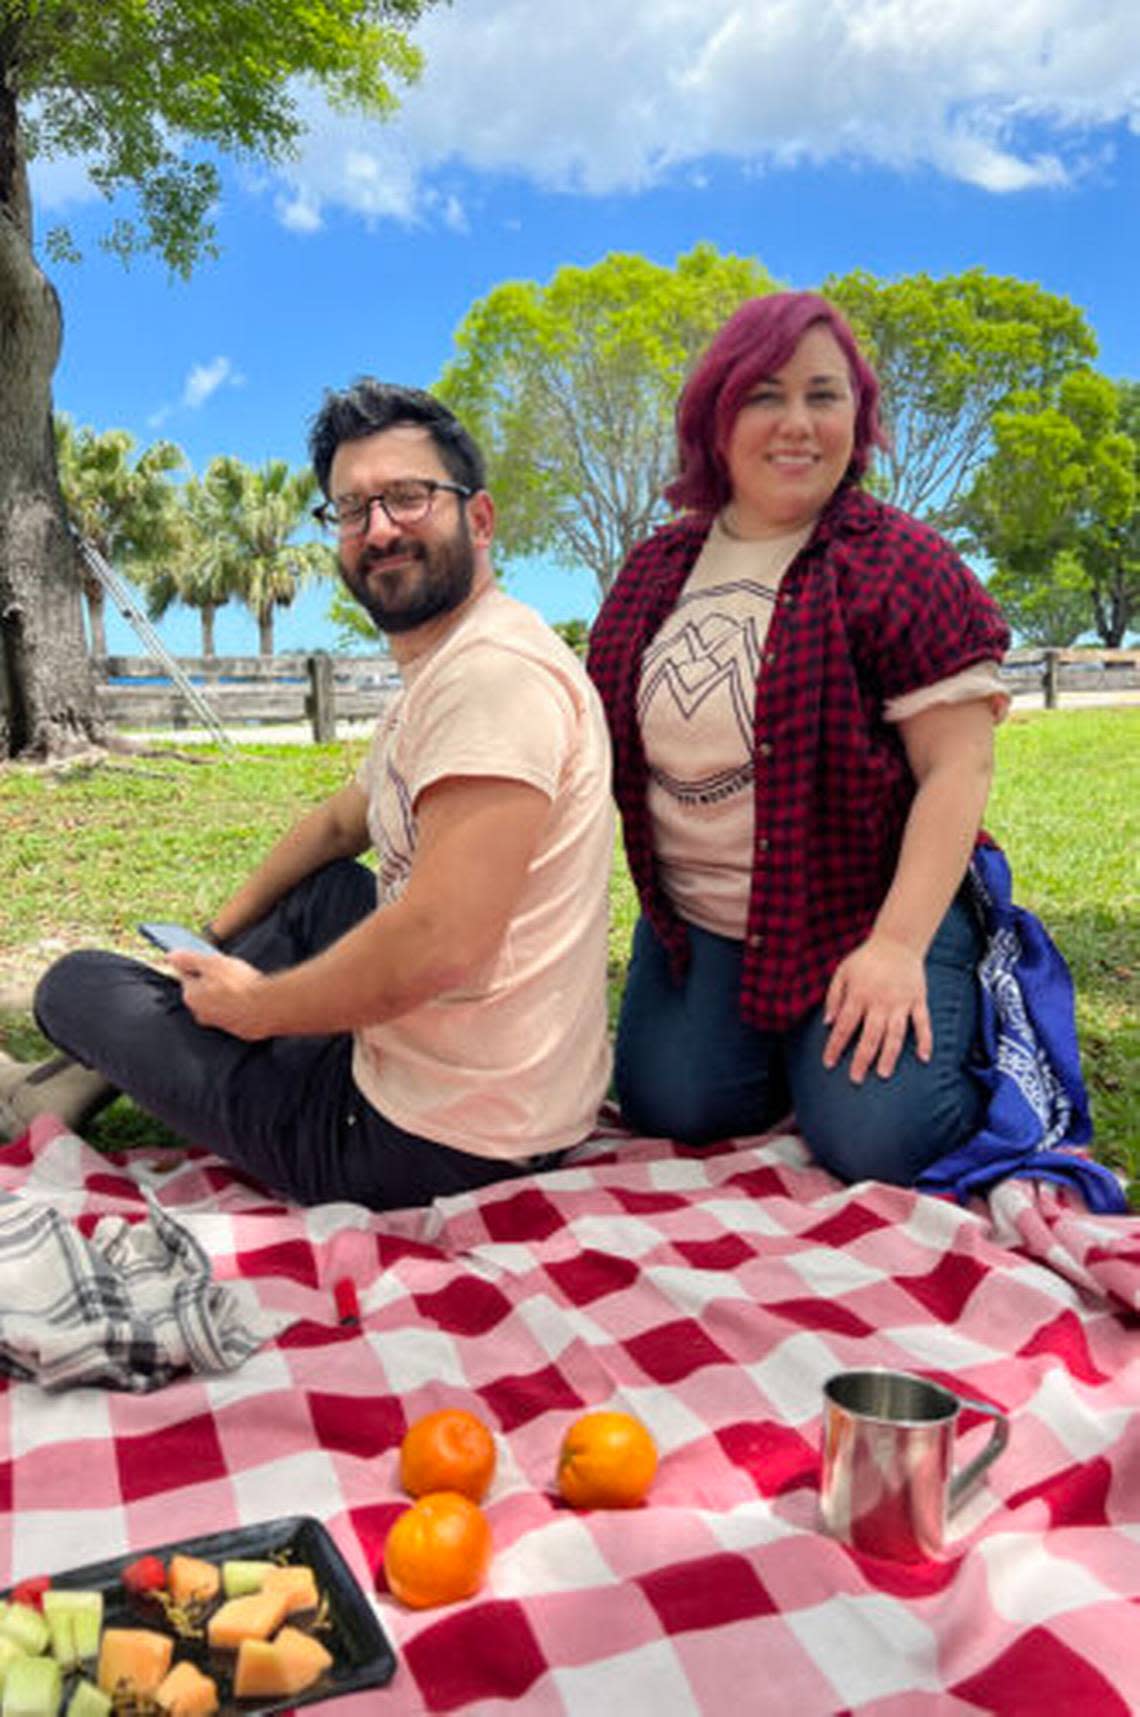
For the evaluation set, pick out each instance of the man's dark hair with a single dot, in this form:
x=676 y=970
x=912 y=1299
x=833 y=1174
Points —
x=368 y=407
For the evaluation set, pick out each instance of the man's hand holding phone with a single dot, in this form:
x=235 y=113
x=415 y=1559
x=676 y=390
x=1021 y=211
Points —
x=169 y=936
x=221 y=991
x=218 y=989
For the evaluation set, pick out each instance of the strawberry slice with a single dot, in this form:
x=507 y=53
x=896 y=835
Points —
x=147 y=1574
x=31 y=1591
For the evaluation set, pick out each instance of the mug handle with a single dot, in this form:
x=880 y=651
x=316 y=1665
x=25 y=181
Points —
x=964 y=1483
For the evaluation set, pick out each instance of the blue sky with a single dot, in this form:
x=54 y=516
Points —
x=891 y=135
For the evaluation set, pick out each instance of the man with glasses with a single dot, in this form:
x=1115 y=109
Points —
x=394 y=1036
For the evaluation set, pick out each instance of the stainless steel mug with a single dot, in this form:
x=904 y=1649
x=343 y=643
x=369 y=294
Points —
x=888 y=1482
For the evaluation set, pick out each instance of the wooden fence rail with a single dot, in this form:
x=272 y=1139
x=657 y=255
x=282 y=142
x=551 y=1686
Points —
x=320 y=688
x=1076 y=670
x=244 y=690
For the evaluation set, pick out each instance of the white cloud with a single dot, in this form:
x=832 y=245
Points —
x=299 y=212
x=206 y=379
x=454 y=215
x=201 y=384
x=60 y=183
x=1006 y=95
x=599 y=99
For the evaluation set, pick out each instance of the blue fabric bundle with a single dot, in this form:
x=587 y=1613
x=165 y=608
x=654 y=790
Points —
x=1037 y=1113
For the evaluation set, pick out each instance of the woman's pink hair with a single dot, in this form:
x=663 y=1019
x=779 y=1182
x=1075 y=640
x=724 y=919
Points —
x=756 y=341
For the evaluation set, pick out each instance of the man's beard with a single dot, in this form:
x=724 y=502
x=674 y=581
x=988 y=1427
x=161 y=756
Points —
x=445 y=575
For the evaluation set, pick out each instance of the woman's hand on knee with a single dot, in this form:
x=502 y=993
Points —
x=877 y=993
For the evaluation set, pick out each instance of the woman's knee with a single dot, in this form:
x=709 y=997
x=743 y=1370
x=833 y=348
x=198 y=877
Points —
x=884 y=1129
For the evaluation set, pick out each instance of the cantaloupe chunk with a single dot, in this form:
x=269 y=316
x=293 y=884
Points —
x=252 y=1617
x=297 y=1582
x=187 y=1692
x=305 y=1658
x=189 y=1577
x=279 y=1668
x=133 y=1658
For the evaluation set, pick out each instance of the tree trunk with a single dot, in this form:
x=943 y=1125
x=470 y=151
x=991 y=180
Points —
x=265 y=629
x=1110 y=615
x=96 y=617
x=47 y=692
x=208 y=612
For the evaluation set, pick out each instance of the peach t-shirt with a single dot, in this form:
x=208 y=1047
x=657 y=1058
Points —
x=518 y=1062
x=696 y=697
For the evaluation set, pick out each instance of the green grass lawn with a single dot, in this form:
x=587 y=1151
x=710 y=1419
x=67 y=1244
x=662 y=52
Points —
x=87 y=852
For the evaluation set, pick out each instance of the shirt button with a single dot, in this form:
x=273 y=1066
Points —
x=765 y=748
x=754 y=941
x=763 y=843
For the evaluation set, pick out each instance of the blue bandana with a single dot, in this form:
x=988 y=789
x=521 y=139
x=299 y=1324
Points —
x=1037 y=1113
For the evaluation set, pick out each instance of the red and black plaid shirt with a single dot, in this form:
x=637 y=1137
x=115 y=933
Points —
x=875 y=605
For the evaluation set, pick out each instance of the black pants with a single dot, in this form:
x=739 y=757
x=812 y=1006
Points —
x=285 y=1110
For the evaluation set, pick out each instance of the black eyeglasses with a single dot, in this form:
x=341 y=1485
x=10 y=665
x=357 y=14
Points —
x=403 y=503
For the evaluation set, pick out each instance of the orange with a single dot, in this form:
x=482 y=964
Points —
x=448 y=1450
x=607 y=1460
x=437 y=1551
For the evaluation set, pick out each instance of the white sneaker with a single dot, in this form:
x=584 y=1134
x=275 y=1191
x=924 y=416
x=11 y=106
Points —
x=58 y=1086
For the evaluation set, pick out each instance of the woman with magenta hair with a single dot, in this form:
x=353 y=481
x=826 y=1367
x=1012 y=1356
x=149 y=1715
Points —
x=802 y=687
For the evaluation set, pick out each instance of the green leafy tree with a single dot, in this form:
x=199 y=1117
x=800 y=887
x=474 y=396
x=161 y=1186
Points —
x=1053 y=606
x=1063 y=480
x=148 y=96
x=950 y=353
x=1112 y=558
x=571 y=388
x=576 y=633
x=120 y=503
x=354 y=627
x=258 y=513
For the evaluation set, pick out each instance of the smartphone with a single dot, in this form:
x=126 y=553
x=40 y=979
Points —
x=168 y=936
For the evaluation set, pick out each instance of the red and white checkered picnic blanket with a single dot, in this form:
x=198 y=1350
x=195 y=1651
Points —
x=710 y=1293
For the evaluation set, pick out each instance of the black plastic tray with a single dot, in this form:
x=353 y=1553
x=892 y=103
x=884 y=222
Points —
x=362 y=1655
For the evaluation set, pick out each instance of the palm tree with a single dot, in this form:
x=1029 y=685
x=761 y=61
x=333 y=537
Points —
x=258 y=512
x=122 y=506
x=198 y=567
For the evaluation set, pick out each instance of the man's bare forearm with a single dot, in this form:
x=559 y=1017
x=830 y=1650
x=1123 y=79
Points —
x=336 y=829
x=441 y=934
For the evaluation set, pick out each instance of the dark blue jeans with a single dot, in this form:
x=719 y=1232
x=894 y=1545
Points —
x=688 y=1067
x=285 y=1110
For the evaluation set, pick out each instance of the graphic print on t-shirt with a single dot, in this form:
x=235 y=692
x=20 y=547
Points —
x=698 y=691
x=394 y=858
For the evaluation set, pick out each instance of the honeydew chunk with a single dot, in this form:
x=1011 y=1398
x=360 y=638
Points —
x=135 y=1659
x=62 y=1629
x=87 y=1701
x=9 y=1652
x=74 y=1619
x=187 y=1692
x=240 y=1578
x=279 y=1668
x=32 y=1687
x=189 y=1577
x=297 y=1582
x=27 y=1627
x=255 y=1616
